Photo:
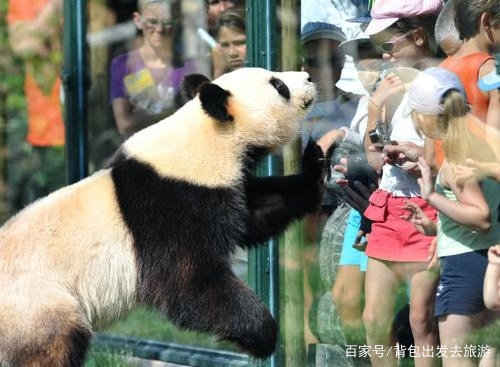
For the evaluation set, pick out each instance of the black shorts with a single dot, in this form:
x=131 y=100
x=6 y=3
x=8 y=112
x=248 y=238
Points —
x=460 y=289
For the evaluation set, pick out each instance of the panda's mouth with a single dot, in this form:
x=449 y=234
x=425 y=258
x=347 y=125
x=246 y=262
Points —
x=307 y=103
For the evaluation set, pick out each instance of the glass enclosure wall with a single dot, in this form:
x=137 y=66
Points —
x=138 y=52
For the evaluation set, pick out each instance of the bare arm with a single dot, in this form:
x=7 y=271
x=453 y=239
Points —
x=471 y=209
x=389 y=91
x=475 y=170
x=493 y=116
x=219 y=65
x=491 y=289
x=129 y=120
x=30 y=37
x=329 y=139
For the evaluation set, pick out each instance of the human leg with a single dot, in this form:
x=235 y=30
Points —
x=347 y=295
x=460 y=306
x=380 y=294
x=349 y=283
x=423 y=286
x=453 y=331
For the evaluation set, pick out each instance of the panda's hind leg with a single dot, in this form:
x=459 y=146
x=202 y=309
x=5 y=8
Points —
x=44 y=334
x=218 y=302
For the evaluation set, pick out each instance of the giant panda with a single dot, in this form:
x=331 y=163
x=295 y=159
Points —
x=159 y=225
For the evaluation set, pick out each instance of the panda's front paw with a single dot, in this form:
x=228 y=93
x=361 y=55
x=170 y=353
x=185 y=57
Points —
x=313 y=174
x=313 y=163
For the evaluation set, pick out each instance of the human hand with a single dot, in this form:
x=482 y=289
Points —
x=404 y=150
x=474 y=170
x=328 y=140
x=219 y=63
x=376 y=155
x=356 y=194
x=418 y=218
x=433 y=259
x=391 y=86
x=341 y=167
x=425 y=181
x=494 y=254
x=404 y=154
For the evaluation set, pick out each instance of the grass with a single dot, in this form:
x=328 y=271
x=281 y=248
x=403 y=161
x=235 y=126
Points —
x=146 y=324
x=104 y=358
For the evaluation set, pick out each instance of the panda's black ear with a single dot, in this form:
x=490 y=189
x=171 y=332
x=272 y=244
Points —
x=192 y=83
x=214 y=101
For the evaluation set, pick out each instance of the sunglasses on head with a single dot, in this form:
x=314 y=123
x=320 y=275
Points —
x=154 y=22
x=389 y=46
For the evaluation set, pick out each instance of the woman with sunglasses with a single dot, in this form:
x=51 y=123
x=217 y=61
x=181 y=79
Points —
x=145 y=82
x=397 y=252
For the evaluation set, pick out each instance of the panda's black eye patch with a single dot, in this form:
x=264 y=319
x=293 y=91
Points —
x=280 y=87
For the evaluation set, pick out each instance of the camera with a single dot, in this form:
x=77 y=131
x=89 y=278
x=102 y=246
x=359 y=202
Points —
x=380 y=135
x=334 y=155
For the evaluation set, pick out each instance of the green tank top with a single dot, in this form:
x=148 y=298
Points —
x=454 y=238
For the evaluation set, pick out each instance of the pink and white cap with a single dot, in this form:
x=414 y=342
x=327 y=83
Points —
x=384 y=13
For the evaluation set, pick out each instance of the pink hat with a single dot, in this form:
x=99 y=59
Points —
x=384 y=13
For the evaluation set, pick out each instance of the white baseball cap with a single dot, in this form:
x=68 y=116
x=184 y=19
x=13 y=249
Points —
x=427 y=90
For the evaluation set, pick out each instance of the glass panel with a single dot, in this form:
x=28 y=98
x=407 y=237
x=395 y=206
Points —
x=138 y=55
x=365 y=70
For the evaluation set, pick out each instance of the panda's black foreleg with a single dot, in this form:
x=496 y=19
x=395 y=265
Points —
x=274 y=202
x=217 y=302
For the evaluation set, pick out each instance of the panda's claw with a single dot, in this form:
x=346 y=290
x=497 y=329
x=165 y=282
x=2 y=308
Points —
x=313 y=162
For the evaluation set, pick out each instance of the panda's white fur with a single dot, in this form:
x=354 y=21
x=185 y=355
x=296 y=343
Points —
x=213 y=157
x=85 y=255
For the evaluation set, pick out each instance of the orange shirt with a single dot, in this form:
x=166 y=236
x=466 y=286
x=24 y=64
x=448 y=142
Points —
x=45 y=116
x=24 y=9
x=467 y=70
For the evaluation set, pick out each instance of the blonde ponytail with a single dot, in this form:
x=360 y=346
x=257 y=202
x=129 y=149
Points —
x=457 y=143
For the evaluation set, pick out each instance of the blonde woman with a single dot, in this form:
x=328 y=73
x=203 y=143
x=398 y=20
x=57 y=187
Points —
x=467 y=212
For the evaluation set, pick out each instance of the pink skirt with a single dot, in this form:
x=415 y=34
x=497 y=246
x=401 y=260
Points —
x=393 y=238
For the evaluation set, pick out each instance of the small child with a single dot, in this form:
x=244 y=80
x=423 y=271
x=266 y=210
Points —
x=467 y=215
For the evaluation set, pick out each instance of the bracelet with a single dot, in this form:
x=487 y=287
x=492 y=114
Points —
x=351 y=137
x=376 y=105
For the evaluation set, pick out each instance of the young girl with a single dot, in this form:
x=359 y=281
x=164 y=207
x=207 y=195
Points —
x=231 y=38
x=468 y=212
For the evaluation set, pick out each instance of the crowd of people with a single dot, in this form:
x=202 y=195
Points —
x=433 y=224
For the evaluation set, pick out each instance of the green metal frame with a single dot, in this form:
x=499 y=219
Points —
x=264 y=260
x=75 y=82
